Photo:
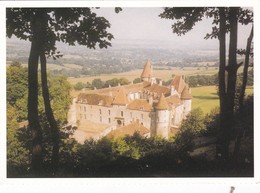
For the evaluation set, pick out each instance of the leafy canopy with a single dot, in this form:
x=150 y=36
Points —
x=68 y=25
x=185 y=18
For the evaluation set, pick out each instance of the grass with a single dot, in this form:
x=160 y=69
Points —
x=206 y=97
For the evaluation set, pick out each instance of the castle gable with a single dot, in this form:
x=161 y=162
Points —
x=121 y=98
x=178 y=83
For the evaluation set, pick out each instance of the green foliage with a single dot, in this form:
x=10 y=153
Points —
x=74 y=25
x=16 y=82
x=19 y=140
x=194 y=121
x=79 y=86
x=115 y=82
x=212 y=122
x=97 y=83
x=137 y=80
x=191 y=127
x=202 y=80
x=17 y=154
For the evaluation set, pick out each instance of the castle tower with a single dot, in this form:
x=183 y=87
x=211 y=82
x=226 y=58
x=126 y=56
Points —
x=147 y=72
x=162 y=118
x=186 y=98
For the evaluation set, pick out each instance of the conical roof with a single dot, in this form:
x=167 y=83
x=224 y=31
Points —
x=162 y=104
x=121 y=98
x=178 y=83
x=186 y=93
x=147 y=72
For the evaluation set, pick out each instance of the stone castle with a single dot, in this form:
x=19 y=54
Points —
x=147 y=107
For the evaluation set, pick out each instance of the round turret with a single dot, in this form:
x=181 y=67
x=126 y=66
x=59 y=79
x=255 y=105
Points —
x=162 y=117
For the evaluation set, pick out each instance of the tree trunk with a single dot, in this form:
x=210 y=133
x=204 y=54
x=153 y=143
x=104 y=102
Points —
x=222 y=83
x=242 y=95
x=232 y=77
x=33 y=117
x=49 y=114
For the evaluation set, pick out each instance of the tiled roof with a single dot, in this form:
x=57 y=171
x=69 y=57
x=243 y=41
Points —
x=186 y=93
x=129 y=130
x=121 y=98
x=162 y=104
x=173 y=100
x=158 y=89
x=95 y=99
x=178 y=83
x=139 y=104
x=113 y=91
x=147 y=72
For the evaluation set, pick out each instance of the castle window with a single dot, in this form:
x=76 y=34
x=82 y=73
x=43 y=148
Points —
x=85 y=109
x=100 y=119
x=141 y=108
x=122 y=113
x=142 y=116
x=131 y=114
x=109 y=112
x=100 y=111
x=80 y=108
x=109 y=120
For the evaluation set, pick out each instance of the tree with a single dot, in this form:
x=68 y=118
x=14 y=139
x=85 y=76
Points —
x=18 y=139
x=43 y=27
x=97 y=83
x=224 y=20
x=79 y=86
x=247 y=53
x=16 y=82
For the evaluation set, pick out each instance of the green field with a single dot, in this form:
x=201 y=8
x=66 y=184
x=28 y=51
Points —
x=206 y=97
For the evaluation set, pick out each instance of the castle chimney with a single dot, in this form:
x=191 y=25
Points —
x=150 y=100
x=172 y=90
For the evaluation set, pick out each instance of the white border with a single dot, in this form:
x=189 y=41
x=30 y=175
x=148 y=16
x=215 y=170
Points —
x=123 y=184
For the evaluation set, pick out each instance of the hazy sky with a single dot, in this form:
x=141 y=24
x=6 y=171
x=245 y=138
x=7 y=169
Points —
x=134 y=24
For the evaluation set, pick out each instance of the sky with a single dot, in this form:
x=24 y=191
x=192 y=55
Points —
x=142 y=25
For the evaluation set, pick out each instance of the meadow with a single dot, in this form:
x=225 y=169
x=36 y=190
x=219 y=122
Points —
x=206 y=97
